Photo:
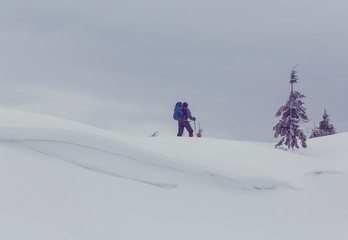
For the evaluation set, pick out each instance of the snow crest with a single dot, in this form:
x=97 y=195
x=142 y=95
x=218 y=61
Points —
x=115 y=158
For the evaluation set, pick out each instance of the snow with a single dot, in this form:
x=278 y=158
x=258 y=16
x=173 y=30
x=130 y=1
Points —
x=61 y=179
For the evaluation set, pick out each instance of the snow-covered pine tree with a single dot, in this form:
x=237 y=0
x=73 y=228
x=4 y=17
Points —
x=325 y=127
x=293 y=113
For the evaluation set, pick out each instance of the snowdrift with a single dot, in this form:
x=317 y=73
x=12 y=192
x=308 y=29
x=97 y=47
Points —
x=65 y=180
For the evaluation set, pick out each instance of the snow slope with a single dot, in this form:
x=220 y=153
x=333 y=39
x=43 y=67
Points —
x=65 y=180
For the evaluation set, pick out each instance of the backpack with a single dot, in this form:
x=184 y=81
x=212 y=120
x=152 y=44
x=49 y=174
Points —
x=178 y=111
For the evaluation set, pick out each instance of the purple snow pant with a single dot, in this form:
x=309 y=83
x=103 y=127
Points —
x=184 y=124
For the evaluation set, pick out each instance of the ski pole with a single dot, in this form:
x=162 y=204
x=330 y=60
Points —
x=195 y=126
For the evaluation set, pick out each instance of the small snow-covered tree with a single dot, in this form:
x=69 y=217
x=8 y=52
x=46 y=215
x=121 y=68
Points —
x=292 y=113
x=325 y=127
x=155 y=134
x=200 y=131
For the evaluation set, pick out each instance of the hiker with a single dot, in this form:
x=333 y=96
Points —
x=184 y=123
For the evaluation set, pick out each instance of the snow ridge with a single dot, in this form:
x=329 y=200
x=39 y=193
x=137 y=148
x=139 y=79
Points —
x=115 y=158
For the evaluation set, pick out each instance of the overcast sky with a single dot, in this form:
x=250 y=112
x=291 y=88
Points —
x=122 y=65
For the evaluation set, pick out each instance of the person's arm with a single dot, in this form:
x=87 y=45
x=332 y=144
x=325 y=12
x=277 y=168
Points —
x=189 y=116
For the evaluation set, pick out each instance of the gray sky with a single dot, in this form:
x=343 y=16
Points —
x=122 y=65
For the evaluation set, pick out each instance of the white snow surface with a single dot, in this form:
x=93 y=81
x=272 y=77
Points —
x=61 y=179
